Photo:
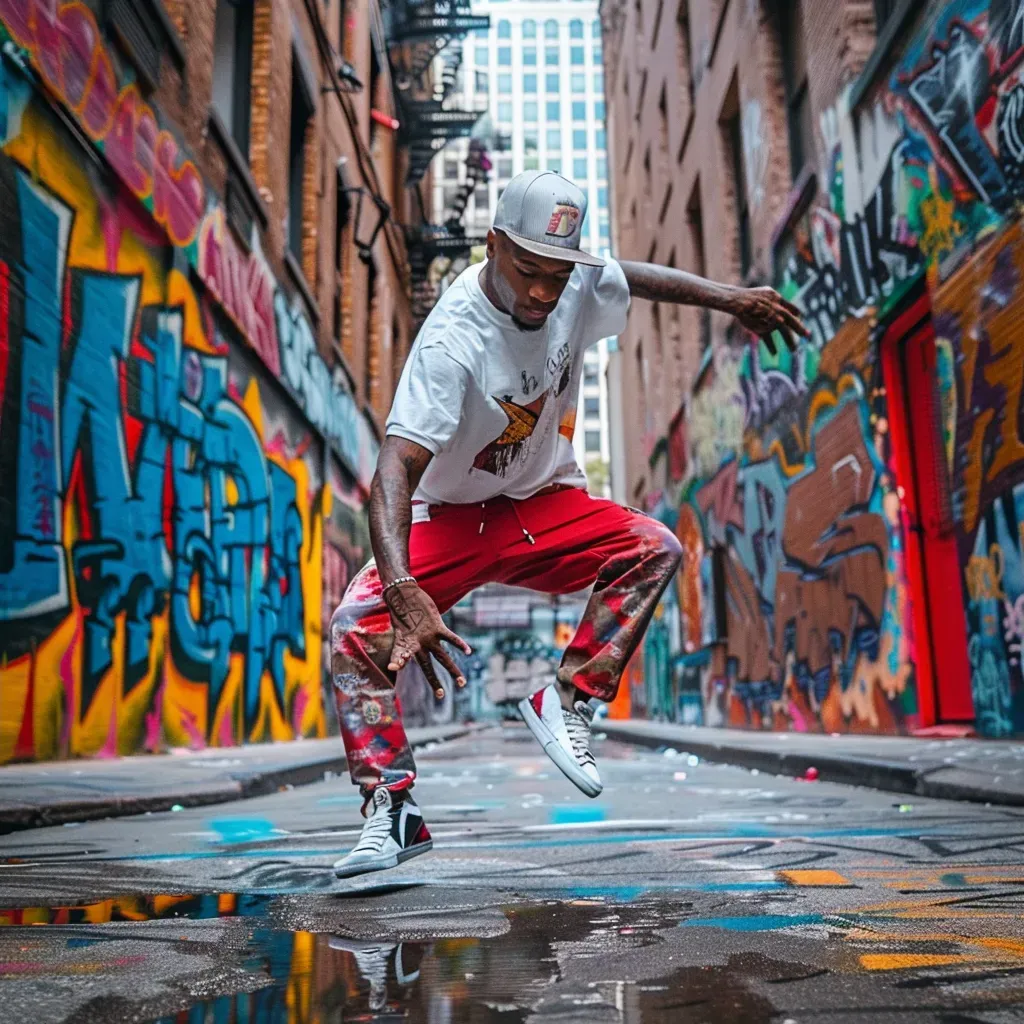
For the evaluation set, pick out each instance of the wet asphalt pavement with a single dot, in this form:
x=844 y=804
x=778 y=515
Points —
x=686 y=893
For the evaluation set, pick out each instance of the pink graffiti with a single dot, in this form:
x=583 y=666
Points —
x=243 y=284
x=720 y=496
x=68 y=51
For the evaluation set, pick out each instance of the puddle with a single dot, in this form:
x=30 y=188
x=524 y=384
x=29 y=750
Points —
x=598 y=956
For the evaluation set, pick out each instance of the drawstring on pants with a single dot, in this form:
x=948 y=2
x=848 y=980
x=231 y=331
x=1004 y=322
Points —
x=515 y=512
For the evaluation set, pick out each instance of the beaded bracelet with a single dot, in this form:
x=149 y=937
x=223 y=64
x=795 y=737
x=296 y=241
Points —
x=395 y=583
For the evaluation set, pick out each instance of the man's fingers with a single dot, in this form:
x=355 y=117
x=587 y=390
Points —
x=791 y=307
x=449 y=665
x=793 y=321
x=401 y=655
x=423 y=659
x=454 y=638
x=787 y=337
x=770 y=343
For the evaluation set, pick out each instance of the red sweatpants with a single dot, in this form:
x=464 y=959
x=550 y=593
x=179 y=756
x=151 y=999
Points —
x=580 y=541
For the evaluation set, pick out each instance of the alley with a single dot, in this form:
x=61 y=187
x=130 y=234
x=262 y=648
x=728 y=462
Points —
x=687 y=892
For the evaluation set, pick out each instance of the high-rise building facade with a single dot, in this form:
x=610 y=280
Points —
x=851 y=512
x=538 y=73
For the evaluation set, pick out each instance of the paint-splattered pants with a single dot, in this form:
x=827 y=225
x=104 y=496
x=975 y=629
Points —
x=580 y=541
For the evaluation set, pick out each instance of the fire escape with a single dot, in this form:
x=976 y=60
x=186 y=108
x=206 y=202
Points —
x=418 y=33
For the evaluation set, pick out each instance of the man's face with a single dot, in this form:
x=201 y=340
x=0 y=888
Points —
x=528 y=286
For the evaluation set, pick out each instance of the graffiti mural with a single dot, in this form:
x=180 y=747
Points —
x=162 y=531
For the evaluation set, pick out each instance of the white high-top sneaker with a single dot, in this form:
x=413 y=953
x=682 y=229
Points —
x=564 y=735
x=372 y=960
x=394 y=832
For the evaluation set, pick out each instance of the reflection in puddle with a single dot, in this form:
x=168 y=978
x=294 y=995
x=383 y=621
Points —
x=231 y=958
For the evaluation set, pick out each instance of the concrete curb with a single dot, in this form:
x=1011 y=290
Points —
x=240 y=785
x=875 y=773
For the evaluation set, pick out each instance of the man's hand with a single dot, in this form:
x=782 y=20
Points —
x=419 y=632
x=764 y=310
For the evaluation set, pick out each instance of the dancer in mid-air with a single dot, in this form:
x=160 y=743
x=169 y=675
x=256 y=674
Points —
x=477 y=483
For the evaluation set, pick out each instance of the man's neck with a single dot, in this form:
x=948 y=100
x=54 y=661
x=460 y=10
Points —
x=487 y=286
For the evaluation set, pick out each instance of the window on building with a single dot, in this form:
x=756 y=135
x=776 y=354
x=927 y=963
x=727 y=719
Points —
x=481 y=55
x=579 y=168
x=599 y=83
x=232 y=70
x=341 y=219
x=551 y=56
x=695 y=222
x=530 y=141
x=604 y=229
x=530 y=56
x=884 y=10
x=505 y=167
x=579 y=138
x=480 y=82
x=734 y=143
x=579 y=110
x=505 y=56
x=529 y=83
x=602 y=198
x=600 y=140
x=302 y=110
x=598 y=53
x=530 y=112
x=504 y=29
x=529 y=29
x=599 y=111
x=482 y=199
x=575 y=29
x=592 y=441
x=505 y=85
x=579 y=83
x=448 y=194
x=451 y=168
x=554 y=110
x=551 y=29
x=591 y=375
x=592 y=407
x=553 y=139
x=531 y=163
x=555 y=164
x=551 y=83
x=798 y=103
x=595 y=28
x=576 y=56
x=505 y=111
x=481 y=33
x=602 y=168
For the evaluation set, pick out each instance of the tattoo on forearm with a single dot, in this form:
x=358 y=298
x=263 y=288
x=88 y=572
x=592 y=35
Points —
x=666 y=284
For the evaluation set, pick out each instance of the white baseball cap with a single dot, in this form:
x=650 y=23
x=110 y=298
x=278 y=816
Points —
x=544 y=212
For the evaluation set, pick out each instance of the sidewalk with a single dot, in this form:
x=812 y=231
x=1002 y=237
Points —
x=54 y=792
x=985 y=771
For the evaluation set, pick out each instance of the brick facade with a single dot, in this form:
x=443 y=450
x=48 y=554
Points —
x=190 y=413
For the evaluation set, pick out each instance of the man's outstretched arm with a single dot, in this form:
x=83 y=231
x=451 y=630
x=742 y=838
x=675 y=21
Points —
x=419 y=629
x=760 y=310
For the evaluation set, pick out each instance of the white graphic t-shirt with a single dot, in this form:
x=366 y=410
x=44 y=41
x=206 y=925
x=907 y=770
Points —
x=497 y=404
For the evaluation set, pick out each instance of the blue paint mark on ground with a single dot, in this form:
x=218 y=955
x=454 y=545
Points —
x=759 y=923
x=243 y=830
x=575 y=815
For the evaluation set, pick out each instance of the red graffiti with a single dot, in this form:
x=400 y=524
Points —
x=68 y=51
x=243 y=285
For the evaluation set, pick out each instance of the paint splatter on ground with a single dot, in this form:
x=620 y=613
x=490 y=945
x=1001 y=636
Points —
x=722 y=897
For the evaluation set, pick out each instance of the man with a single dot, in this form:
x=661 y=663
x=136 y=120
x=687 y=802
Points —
x=477 y=483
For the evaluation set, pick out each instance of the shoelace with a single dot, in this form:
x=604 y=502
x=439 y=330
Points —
x=579 y=736
x=375 y=831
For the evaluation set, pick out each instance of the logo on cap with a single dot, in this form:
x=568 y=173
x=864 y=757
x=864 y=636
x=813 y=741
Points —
x=563 y=221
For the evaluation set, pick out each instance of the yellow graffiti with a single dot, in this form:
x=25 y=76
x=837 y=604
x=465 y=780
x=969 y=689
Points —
x=985 y=575
x=941 y=228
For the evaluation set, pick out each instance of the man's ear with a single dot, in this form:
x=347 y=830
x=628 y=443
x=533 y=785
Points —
x=492 y=243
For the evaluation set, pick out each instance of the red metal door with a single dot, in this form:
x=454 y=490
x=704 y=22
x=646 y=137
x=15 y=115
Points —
x=922 y=474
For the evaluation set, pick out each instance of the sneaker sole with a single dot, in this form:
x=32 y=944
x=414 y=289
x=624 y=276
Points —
x=364 y=867
x=566 y=764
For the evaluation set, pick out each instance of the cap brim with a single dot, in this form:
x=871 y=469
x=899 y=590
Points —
x=554 y=252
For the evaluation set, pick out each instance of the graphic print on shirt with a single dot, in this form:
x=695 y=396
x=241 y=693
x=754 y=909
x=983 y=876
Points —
x=560 y=369
x=513 y=445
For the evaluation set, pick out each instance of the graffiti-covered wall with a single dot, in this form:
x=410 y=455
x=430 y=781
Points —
x=787 y=465
x=170 y=440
